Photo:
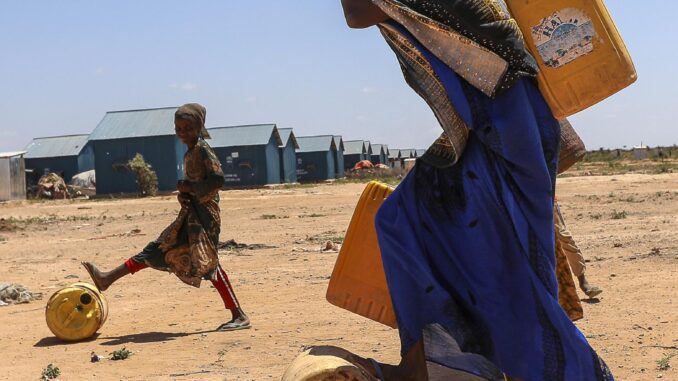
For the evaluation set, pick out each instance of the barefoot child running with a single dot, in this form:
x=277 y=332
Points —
x=188 y=246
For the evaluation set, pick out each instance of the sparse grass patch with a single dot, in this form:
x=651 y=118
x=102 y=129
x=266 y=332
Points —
x=13 y=223
x=299 y=185
x=272 y=217
x=663 y=168
x=618 y=215
x=312 y=215
x=596 y=216
x=391 y=177
x=665 y=362
x=51 y=372
x=121 y=354
x=329 y=235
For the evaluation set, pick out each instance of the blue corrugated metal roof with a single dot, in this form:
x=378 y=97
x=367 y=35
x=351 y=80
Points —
x=316 y=143
x=377 y=149
x=251 y=135
x=285 y=135
x=368 y=148
x=339 y=142
x=353 y=147
x=56 y=146
x=135 y=123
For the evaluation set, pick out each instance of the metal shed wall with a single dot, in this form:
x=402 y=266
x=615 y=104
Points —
x=164 y=153
x=63 y=155
x=288 y=163
x=351 y=160
x=86 y=158
x=316 y=166
x=288 y=155
x=12 y=178
x=65 y=166
x=354 y=151
x=378 y=154
x=339 y=157
x=252 y=165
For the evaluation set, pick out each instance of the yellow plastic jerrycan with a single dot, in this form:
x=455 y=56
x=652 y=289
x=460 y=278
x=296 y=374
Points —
x=358 y=282
x=76 y=312
x=581 y=55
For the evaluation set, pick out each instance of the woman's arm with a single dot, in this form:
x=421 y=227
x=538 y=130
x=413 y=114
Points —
x=362 y=13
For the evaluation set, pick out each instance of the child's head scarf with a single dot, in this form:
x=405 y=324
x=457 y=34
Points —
x=196 y=113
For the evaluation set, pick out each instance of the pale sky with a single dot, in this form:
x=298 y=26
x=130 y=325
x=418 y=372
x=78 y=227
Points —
x=63 y=64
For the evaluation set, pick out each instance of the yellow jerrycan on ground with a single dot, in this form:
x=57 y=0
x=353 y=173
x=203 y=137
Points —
x=358 y=282
x=76 y=312
x=581 y=55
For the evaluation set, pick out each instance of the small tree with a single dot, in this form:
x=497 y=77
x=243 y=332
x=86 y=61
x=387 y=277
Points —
x=147 y=180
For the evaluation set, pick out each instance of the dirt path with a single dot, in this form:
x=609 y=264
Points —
x=626 y=226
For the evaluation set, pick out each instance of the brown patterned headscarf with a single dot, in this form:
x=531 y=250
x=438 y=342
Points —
x=196 y=113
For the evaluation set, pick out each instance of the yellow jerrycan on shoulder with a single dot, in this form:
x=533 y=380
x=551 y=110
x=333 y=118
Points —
x=358 y=282
x=76 y=312
x=581 y=55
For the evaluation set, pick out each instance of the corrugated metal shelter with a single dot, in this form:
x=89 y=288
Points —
x=288 y=155
x=640 y=152
x=249 y=155
x=12 y=176
x=368 y=150
x=64 y=155
x=394 y=158
x=339 y=162
x=379 y=154
x=408 y=154
x=419 y=152
x=315 y=158
x=122 y=134
x=354 y=151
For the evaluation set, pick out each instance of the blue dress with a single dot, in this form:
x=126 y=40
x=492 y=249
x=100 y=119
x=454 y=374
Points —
x=468 y=250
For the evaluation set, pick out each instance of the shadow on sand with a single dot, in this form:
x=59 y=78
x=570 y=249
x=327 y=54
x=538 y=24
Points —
x=137 y=338
x=148 y=337
x=591 y=301
x=52 y=341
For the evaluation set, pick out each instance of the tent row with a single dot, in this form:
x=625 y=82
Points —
x=251 y=155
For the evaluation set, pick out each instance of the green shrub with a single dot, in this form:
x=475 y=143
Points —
x=50 y=373
x=147 y=180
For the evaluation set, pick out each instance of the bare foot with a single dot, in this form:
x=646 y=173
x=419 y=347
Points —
x=94 y=273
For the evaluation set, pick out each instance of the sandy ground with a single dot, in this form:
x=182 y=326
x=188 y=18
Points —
x=168 y=325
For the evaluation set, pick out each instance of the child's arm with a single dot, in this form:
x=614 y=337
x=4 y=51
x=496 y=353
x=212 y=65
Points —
x=204 y=190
